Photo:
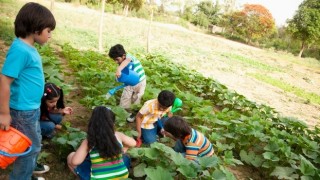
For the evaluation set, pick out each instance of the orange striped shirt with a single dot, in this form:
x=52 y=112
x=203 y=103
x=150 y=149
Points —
x=197 y=145
x=151 y=113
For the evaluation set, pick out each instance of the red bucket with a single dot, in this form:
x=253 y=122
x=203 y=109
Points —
x=12 y=144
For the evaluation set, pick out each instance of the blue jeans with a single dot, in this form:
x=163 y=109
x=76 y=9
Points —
x=149 y=136
x=47 y=126
x=27 y=122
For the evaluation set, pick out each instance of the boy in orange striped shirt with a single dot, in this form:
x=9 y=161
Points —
x=150 y=117
x=190 y=142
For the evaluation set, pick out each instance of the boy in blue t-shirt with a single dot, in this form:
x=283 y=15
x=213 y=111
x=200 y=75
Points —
x=22 y=83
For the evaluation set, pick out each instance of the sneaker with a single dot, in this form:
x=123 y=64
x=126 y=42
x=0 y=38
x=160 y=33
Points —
x=37 y=178
x=131 y=118
x=40 y=169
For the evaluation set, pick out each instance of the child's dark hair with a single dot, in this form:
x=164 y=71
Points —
x=51 y=91
x=166 y=98
x=33 y=18
x=101 y=133
x=177 y=126
x=116 y=51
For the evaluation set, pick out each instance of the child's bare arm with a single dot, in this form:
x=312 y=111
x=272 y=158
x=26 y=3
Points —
x=5 y=118
x=126 y=141
x=138 y=124
x=80 y=154
x=122 y=66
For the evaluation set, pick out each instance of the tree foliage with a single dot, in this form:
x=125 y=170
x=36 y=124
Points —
x=305 y=25
x=253 y=22
x=128 y=5
x=203 y=14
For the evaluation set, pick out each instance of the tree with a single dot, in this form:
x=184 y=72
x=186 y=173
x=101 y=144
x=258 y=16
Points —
x=253 y=22
x=210 y=10
x=101 y=26
x=130 y=5
x=305 y=25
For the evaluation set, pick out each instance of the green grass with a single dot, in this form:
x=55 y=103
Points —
x=251 y=62
x=308 y=96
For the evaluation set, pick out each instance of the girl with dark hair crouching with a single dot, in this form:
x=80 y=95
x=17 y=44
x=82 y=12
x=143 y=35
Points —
x=103 y=149
x=52 y=109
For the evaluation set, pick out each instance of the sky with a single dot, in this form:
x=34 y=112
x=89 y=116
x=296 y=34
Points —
x=281 y=10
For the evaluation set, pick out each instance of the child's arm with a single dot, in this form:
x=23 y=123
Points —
x=122 y=66
x=5 y=118
x=80 y=154
x=126 y=141
x=66 y=110
x=139 y=117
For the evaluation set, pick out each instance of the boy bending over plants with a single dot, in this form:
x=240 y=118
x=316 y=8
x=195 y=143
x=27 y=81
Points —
x=190 y=142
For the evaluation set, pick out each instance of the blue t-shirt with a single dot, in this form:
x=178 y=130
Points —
x=23 y=63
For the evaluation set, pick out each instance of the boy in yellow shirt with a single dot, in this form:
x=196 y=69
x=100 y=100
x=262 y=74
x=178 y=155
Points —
x=150 y=117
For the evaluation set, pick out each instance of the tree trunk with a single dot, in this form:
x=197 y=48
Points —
x=302 y=49
x=51 y=5
x=125 y=10
x=149 y=32
x=101 y=26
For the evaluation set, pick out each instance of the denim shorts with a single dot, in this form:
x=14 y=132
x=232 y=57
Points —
x=84 y=169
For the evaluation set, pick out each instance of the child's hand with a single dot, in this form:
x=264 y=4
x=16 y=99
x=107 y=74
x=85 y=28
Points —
x=67 y=110
x=139 y=142
x=118 y=73
x=163 y=132
x=58 y=126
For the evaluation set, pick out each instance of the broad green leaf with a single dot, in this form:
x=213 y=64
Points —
x=136 y=152
x=138 y=171
x=251 y=158
x=208 y=162
x=74 y=144
x=188 y=171
x=179 y=160
x=158 y=174
x=284 y=173
x=270 y=156
x=219 y=175
x=306 y=178
x=61 y=140
x=272 y=146
x=152 y=153
x=306 y=167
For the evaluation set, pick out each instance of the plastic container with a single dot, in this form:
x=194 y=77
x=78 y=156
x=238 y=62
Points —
x=129 y=77
x=12 y=144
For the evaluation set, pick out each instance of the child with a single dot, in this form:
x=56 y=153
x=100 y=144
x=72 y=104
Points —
x=22 y=82
x=104 y=146
x=52 y=109
x=130 y=94
x=149 y=122
x=190 y=142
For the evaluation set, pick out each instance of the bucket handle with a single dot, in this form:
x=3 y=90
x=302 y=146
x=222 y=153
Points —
x=18 y=154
